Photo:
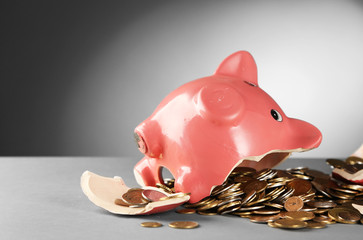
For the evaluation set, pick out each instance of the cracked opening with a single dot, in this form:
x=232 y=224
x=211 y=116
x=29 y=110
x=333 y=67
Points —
x=268 y=161
x=165 y=176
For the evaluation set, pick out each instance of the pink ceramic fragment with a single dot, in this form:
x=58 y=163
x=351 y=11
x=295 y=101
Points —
x=355 y=178
x=103 y=192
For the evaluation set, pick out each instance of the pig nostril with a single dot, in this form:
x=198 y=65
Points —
x=140 y=143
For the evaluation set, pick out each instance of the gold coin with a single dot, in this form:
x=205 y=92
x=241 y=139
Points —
x=333 y=213
x=165 y=188
x=134 y=196
x=229 y=207
x=335 y=163
x=316 y=224
x=282 y=214
x=248 y=197
x=271 y=224
x=290 y=223
x=119 y=201
x=255 y=185
x=349 y=216
x=210 y=205
x=242 y=214
x=301 y=216
x=301 y=176
x=242 y=179
x=293 y=204
x=151 y=224
x=183 y=224
x=323 y=219
x=252 y=208
x=344 y=190
x=244 y=170
x=300 y=186
x=321 y=211
x=316 y=174
x=207 y=213
x=320 y=186
x=274 y=205
x=322 y=204
x=308 y=209
x=339 y=194
x=352 y=160
x=353 y=187
x=186 y=211
x=266 y=211
x=264 y=218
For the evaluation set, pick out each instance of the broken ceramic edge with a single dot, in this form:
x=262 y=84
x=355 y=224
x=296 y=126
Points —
x=356 y=177
x=260 y=157
x=103 y=191
x=358 y=152
x=285 y=155
x=358 y=207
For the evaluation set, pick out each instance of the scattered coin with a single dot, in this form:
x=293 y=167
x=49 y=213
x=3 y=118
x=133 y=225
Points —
x=121 y=202
x=266 y=211
x=151 y=224
x=290 y=223
x=316 y=224
x=264 y=218
x=312 y=199
x=134 y=196
x=299 y=215
x=183 y=224
x=323 y=219
x=272 y=224
x=293 y=203
x=186 y=211
x=352 y=160
x=207 y=213
x=349 y=217
x=336 y=163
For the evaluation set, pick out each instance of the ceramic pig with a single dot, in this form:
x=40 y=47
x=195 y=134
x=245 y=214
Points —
x=204 y=129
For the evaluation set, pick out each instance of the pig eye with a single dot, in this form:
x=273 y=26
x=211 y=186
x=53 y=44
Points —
x=276 y=115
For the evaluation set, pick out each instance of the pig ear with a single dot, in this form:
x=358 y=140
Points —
x=239 y=65
x=220 y=103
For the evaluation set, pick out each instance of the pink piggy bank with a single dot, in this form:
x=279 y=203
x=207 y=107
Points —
x=204 y=129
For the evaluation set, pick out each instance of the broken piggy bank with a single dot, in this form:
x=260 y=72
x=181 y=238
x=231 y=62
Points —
x=204 y=129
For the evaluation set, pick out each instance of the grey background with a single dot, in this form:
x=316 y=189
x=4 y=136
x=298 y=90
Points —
x=78 y=76
x=45 y=201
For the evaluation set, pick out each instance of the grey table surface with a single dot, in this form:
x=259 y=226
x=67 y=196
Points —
x=41 y=198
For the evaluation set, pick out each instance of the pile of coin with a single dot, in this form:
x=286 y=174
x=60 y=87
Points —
x=350 y=165
x=292 y=198
x=176 y=224
x=140 y=197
